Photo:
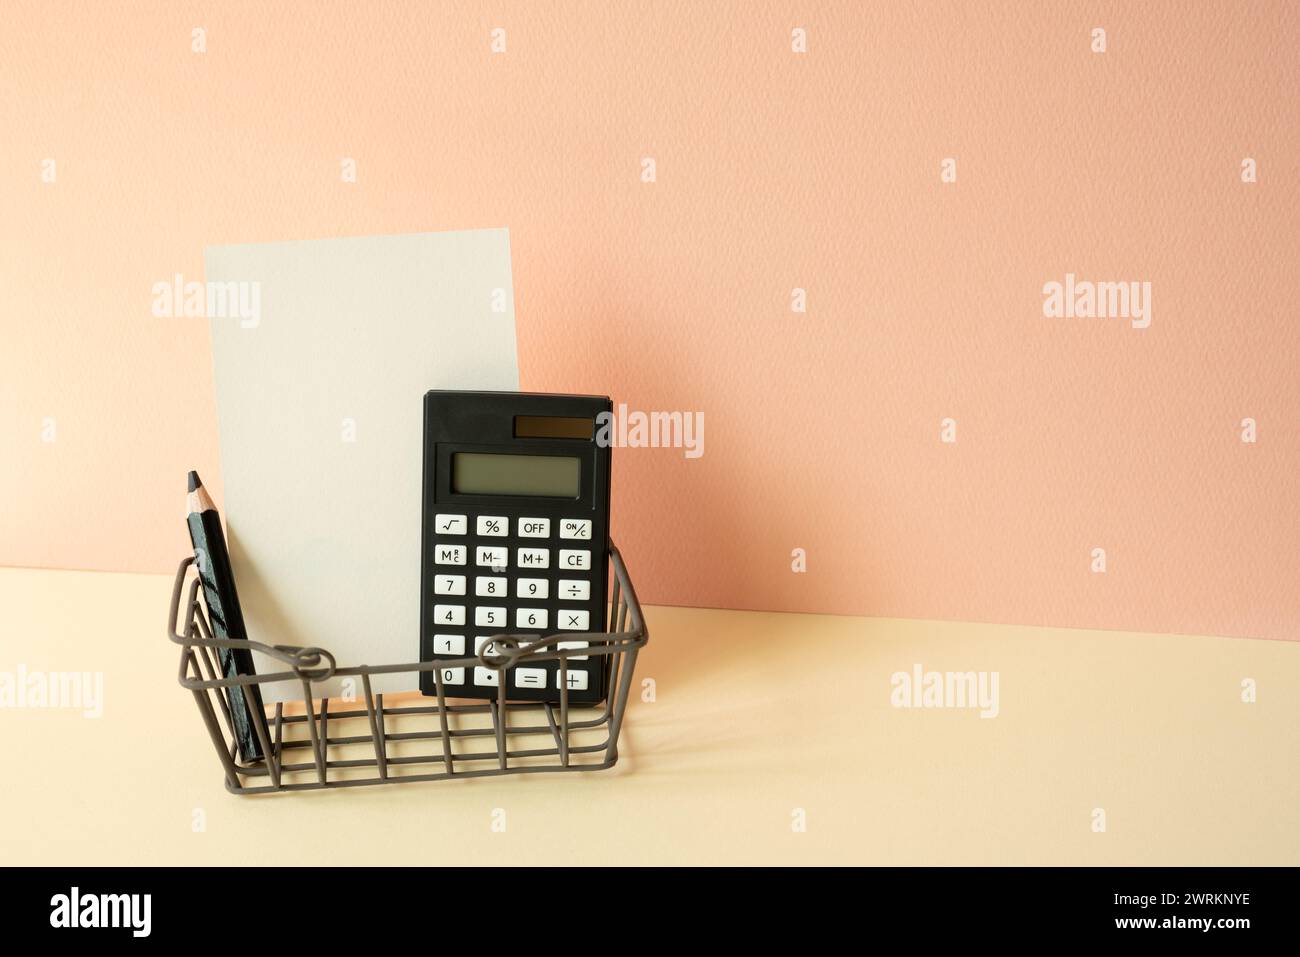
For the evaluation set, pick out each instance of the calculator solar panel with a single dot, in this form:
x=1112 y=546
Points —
x=515 y=526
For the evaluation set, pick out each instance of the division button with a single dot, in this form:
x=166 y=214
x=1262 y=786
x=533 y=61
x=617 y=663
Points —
x=574 y=589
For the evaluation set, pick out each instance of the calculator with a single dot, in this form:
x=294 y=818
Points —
x=515 y=532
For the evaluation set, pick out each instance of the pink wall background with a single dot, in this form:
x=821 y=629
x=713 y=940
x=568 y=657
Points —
x=775 y=170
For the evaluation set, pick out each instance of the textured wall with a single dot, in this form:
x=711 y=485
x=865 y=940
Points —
x=775 y=170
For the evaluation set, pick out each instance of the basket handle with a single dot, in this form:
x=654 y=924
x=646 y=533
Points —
x=313 y=664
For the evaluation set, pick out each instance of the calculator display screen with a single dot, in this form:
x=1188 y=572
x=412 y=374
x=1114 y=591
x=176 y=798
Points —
x=490 y=473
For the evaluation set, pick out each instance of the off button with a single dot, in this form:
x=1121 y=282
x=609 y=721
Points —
x=534 y=528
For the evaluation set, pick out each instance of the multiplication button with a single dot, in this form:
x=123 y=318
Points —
x=574 y=620
x=574 y=589
x=575 y=528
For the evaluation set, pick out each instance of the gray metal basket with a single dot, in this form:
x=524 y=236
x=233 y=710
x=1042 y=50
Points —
x=378 y=744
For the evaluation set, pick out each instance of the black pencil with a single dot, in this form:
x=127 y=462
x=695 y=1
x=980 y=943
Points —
x=224 y=614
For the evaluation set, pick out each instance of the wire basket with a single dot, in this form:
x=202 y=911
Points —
x=337 y=742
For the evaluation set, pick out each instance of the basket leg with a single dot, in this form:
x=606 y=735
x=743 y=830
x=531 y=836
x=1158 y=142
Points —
x=214 y=731
x=442 y=718
x=311 y=729
x=499 y=713
x=620 y=705
x=381 y=758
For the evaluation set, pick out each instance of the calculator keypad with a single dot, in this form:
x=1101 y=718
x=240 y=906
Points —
x=522 y=574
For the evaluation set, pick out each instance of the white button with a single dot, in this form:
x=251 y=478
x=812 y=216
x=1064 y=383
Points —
x=567 y=645
x=534 y=528
x=575 y=528
x=495 y=526
x=448 y=644
x=493 y=557
x=491 y=587
x=484 y=641
x=449 y=614
x=532 y=588
x=452 y=676
x=574 y=589
x=449 y=584
x=533 y=557
x=578 y=558
x=449 y=555
x=486 y=676
x=530 y=677
x=530 y=617
x=576 y=680
x=449 y=524
x=573 y=620
x=490 y=616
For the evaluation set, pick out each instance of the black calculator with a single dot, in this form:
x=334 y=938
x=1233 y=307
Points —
x=515 y=526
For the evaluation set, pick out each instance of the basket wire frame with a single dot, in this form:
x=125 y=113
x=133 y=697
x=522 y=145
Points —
x=283 y=766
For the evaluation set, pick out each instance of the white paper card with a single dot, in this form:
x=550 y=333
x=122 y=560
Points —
x=320 y=377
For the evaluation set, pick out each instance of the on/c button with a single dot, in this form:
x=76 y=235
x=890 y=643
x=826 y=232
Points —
x=575 y=528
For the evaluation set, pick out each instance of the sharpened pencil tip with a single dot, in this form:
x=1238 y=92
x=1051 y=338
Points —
x=195 y=481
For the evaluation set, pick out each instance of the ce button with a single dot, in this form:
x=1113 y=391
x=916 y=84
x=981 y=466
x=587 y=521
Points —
x=576 y=558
